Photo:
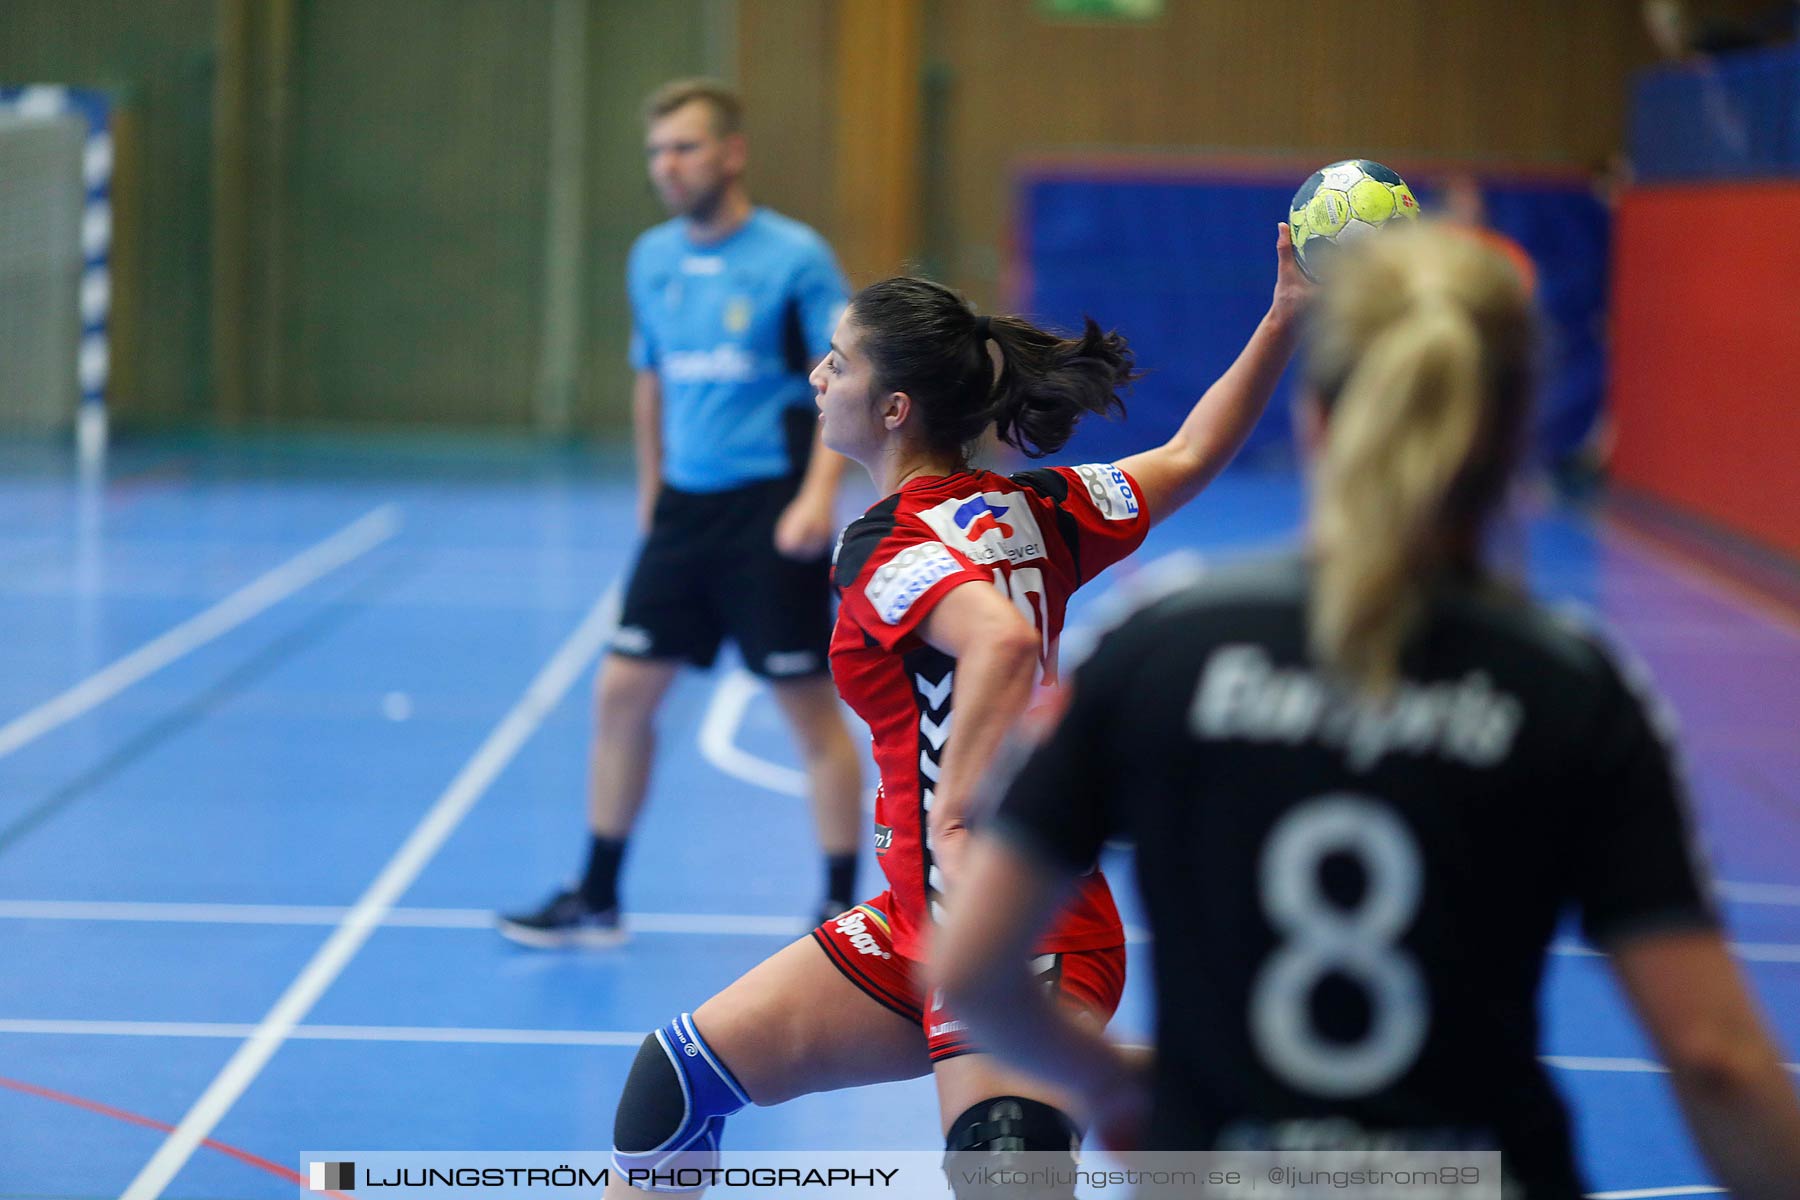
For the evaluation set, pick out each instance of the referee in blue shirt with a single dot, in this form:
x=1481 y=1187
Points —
x=731 y=306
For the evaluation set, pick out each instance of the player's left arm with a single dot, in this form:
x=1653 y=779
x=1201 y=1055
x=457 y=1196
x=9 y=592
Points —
x=807 y=526
x=1056 y=815
x=1007 y=898
x=1645 y=898
x=1221 y=420
x=996 y=652
x=1723 y=1060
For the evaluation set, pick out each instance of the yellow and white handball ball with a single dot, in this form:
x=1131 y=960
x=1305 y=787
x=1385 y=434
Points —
x=1342 y=202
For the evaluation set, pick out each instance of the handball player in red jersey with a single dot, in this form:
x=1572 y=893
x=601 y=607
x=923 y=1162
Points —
x=952 y=594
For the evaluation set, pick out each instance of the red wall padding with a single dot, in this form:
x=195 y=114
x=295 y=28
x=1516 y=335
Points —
x=1705 y=372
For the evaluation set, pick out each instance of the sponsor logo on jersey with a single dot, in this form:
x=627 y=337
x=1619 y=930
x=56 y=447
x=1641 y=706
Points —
x=1109 y=490
x=988 y=528
x=975 y=517
x=854 y=925
x=703 y=264
x=1243 y=694
x=895 y=585
x=721 y=364
x=884 y=839
x=737 y=314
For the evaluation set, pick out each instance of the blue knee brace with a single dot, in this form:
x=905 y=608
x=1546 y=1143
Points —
x=673 y=1109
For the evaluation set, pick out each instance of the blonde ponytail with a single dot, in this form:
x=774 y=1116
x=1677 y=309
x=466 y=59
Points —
x=1423 y=370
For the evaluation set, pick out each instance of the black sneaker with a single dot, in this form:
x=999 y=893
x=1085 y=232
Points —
x=567 y=920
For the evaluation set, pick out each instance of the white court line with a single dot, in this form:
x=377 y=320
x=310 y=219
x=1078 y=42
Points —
x=1621 y=1066
x=1693 y=1189
x=1615 y=1066
x=1575 y=950
x=329 y=1033
x=354 y=540
x=1701 y=577
x=544 y=694
x=712 y=923
x=705 y=924
x=545 y=1037
x=1767 y=952
x=1783 y=894
x=1762 y=952
x=718 y=733
x=401 y=918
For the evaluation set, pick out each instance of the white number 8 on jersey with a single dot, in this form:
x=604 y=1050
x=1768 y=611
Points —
x=1358 y=944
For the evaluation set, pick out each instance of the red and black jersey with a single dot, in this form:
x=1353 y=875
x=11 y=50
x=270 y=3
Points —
x=1037 y=536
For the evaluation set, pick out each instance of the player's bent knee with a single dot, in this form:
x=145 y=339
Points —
x=625 y=690
x=995 y=1149
x=672 y=1112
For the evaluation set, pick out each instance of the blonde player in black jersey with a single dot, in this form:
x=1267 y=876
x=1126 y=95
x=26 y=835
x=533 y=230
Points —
x=1364 y=784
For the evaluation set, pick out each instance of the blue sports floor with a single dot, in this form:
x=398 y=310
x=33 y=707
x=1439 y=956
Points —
x=281 y=722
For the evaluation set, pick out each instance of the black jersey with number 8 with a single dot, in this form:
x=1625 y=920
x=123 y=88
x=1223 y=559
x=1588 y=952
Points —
x=1352 y=900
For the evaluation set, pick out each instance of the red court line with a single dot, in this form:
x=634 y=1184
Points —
x=1759 y=578
x=131 y=1118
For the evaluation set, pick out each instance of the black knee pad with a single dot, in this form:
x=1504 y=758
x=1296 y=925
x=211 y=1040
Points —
x=652 y=1106
x=673 y=1109
x=1012 y=1147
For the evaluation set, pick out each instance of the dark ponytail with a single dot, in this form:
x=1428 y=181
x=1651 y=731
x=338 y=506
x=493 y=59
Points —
x=1047 y=383
x=923 y=340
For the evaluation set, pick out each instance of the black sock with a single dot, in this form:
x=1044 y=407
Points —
x=600 y=886
x=840 y=878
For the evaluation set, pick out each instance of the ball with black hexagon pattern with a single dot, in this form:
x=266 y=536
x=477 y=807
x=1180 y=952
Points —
x=1342 y=202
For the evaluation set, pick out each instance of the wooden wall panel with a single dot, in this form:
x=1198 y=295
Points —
x=156 y=61
x=786 y=62
x=1514 y=81
x=831 y=89
x=384 y=253
x=632 y=48
x=412 y=256
x=879 y=78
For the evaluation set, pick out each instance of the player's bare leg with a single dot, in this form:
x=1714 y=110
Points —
x=628 y=692
x=833 y=772
x=968 y=1079
x=778 y=1049
x=838 y=1038
x=990 y=1113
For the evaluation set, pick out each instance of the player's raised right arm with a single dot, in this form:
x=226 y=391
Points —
x=646 y=428
x=1221 y=420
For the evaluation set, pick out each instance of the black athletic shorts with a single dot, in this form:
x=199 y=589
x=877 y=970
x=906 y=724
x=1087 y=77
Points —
x=709 y=571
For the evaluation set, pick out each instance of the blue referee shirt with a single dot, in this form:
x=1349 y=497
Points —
x=732 y=329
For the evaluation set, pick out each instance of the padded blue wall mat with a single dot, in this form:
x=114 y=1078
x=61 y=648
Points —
x=1182 y=263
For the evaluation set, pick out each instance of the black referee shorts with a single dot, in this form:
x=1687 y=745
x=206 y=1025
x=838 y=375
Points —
x=709 y=571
